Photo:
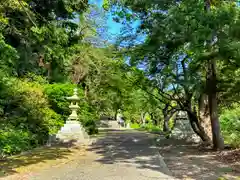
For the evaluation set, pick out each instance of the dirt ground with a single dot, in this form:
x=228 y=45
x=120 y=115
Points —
x=189 y=161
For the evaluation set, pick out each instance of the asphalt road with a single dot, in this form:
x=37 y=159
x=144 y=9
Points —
x=120 y=155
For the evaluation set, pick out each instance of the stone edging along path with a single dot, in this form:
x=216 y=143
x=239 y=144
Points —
x=187 y=161
x=162 y=163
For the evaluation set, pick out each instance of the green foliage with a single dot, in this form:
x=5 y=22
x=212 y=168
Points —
x=25 y=111
x=52 y=120
x=55 y=52
x=27 y=118
x=57 y=94
x=14 y=140
x=171 y=121
x=37 y=29
x=135 y=125
x=88 y=116
x=43 y=45
x=152 y=128
x=148 y=119
x=183 y=38
x=8 y=56
x=132 y=116
x=31 y=77
x=148 y=127
x=222 y=178
x=90 y=126
x=230 y=125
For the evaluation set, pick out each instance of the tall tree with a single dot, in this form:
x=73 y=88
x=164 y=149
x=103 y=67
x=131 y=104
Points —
x=186 y=42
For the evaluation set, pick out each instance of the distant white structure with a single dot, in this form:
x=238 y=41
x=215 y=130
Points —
x=128 y=126
x=183 y=129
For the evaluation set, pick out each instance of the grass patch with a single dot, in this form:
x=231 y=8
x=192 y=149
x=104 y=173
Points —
x=148 y=127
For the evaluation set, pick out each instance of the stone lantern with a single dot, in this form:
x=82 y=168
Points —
x=183 y=129
x=72 y=129
x=74 y=105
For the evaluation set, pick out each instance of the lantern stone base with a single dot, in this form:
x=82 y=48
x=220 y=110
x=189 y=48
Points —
x=73 y=131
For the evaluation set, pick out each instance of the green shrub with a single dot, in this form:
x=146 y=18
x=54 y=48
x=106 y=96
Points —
x=52 y=120
x=90 y=126
x=88 y=116
x=31 y=77
x=30 y=112
x=8 y=56
x=148 y=127
x=131 y=115
x=148 y=118
x=14 y=140
x=135 y=126
x=230 y=126
x=57 y=94
x=26 y=109
x=152 y=128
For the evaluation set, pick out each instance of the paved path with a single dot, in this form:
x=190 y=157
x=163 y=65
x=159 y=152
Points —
x=187 y=161
x=121 y=155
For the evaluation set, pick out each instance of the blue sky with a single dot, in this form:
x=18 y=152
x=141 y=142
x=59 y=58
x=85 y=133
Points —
x=113 y=28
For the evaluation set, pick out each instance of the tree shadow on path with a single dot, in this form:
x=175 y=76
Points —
x=16 y=164
x=186 y=160
x=130 y=149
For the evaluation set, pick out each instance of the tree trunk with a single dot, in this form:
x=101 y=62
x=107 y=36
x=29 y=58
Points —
x=165 y=120
x=167 y=117
x=143 y=118
x=193 y=118
x=155 y=121
x=166 y=129
x=165 y=123
x=217 y=139
x=115 y=114
x=204 y=115
x=196 y=126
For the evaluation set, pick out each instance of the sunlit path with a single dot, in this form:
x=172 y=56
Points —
x=121 y=154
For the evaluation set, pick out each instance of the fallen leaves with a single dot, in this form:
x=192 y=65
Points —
x=230 y=156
